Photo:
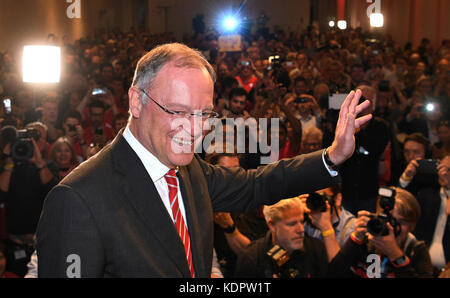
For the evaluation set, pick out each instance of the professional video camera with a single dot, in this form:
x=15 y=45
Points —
x=377 y=225
x=22 y=148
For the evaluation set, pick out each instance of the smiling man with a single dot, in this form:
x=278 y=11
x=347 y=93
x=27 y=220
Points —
x=143 y=206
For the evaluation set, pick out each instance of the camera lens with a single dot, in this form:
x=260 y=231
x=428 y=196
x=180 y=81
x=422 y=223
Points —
x=22 y=149
x=315 y=202
x=377 y=226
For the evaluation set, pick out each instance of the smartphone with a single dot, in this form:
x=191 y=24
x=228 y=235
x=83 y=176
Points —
x=289 y=63
x=302 y=100
x=99 y=91
x=245 y=63
x=7 y=105
x=274 y=59
x=98 y=131
x=384 y=86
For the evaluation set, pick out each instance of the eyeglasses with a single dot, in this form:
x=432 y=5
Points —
x=182 y=114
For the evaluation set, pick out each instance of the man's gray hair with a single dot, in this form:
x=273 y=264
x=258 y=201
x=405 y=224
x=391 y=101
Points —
x=179 y=54
x=275 y=212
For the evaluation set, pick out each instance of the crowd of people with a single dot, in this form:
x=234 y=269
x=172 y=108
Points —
x=296 y=77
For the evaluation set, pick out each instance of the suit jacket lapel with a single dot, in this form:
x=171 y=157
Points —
x=139 y=190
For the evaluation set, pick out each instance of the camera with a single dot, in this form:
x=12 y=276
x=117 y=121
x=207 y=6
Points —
x=427 y=167
x=72 y=127
x=377 y=225
x=384 y=86
x=427 y=172
x=302 y=100
x=278 y=255
x=317 y=202
x=245 y=63
x=22 y=148
x=98 y=131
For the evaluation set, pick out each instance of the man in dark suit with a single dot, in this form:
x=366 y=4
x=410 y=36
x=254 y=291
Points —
x=434 y=224
x=143 y=206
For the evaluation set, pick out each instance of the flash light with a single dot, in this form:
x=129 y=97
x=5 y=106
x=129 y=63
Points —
x=41 y=64
x=376 y=20
x=342 y=24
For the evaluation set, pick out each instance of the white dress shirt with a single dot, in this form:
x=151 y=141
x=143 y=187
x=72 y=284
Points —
x=156 y=171
x=436 y=248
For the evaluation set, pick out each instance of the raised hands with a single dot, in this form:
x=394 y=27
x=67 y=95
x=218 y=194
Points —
x=343 y=145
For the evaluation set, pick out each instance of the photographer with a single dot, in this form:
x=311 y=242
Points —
x=387 y=237
x=339 y=219
x=75 y=133
x=286 y=251
x=415 y=150
x=24 y=204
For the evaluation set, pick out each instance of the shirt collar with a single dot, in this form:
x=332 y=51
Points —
x=154 y=167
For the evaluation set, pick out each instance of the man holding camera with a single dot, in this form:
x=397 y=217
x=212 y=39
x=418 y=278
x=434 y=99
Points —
x=75 y=133
x=286 y=251
x=24 y=204
x=434 y=225
x=383 y=245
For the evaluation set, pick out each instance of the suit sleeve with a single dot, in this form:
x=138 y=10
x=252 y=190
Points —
x=237 y=190
x=68 y=242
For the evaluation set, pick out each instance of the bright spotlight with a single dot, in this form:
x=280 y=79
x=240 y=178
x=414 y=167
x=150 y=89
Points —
x=342 y=24
x=41 y=64
x=429 y=107
x=331 y=24
x=230 y=24
x=376 y=20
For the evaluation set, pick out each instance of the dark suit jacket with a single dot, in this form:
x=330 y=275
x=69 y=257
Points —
x=430 y=202
x=109 y=213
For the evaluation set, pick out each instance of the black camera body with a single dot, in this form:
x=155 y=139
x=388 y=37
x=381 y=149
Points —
x=317 y=202
x=22 y=148
x=377 y=225
x=72 y=127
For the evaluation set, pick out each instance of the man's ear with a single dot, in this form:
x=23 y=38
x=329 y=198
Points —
x=271 y=225
x=136 y=106
x=338 y=200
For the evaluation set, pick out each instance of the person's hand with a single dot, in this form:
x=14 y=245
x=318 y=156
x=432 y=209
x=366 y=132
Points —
x=387 y=245
x=363 y=218
x=36 y=159
x=411 y=169
x=322 y=220
x=7 y=150
x=302 y=199
x=415 y=111
x=343 y=145
x=444 y=175
x=223 y=219
x=80 y=133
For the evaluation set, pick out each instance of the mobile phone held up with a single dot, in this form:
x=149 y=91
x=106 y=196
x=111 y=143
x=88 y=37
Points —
x=7 y=106
x=99 y=91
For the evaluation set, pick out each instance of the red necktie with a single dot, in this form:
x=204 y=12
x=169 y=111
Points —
x=171 y=178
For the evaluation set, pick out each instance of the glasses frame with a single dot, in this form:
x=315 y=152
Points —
x=210 y=114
